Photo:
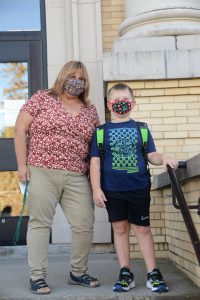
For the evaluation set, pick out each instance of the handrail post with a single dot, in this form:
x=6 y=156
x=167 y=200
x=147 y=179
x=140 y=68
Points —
x=185 y=212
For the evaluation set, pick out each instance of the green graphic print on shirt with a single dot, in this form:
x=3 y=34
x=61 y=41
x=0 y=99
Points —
x=123 y=144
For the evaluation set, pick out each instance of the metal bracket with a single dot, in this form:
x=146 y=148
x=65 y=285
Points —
x=182 y=165
x=175 y=204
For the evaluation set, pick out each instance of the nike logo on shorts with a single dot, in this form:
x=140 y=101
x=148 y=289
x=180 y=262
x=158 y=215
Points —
x=144 y=218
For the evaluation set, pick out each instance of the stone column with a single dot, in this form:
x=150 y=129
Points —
x=161 y=18
x=87 y=45
x=159 y=39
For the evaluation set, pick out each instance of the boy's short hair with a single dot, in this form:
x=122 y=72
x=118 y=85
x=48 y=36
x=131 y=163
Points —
x=120 y=86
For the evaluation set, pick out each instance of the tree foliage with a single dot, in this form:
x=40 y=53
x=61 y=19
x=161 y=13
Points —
x=17 y=87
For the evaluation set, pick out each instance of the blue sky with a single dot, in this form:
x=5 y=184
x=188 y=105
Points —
x=19 y=15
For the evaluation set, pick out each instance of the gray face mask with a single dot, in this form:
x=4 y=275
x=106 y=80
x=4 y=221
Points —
x=74 y=87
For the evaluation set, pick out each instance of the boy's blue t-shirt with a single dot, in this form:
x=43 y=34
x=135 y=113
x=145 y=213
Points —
x=124 y=167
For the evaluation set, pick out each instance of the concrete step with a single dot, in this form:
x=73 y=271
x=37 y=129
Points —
x=14 y=279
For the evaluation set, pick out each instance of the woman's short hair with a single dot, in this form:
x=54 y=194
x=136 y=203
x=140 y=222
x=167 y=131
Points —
x=118 y=87
x=69 y=69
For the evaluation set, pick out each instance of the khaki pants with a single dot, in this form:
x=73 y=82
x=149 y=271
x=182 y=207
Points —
x=47 y=188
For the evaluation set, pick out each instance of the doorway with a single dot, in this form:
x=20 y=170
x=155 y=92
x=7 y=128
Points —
x=23 y=71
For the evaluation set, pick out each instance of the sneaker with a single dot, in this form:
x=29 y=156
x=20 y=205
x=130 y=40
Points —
x=84 y=280
x=125 y=281
x=155 y=282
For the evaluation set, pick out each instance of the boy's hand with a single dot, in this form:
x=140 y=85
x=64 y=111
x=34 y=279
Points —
x=169 y=161
x=99 y=198
x=158 y=159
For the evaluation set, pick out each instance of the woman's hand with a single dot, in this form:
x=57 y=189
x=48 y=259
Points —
x=99 y=198
x=23 y=174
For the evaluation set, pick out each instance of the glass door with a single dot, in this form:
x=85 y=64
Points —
x=13 y=94
x=20 y=77
x=23 y=71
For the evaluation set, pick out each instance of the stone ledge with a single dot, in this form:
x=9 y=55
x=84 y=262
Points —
x=151 y=65
x=150 y=58
x=188 y=42
x=192 y=170
x=140 y=44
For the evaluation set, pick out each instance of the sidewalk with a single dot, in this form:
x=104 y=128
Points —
x=14 y=280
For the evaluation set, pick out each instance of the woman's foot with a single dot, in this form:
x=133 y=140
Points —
x=39 y=287
x=84 y=280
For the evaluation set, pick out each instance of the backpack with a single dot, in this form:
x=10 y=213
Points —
x=143 y=132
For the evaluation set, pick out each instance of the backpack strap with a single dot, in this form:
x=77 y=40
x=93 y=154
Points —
x=143 y=132
x=100 y=136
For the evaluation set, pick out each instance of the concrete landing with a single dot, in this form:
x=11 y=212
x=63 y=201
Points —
x=14 y=279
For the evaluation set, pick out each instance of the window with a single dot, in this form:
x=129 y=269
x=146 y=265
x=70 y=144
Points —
x=13 y=94
x=20 y=15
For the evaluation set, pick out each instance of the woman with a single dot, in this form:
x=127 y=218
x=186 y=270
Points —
x=52 y=135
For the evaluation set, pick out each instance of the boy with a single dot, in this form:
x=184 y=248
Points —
x=122 y=185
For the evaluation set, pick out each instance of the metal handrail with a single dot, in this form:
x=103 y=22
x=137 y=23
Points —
x=185 y=212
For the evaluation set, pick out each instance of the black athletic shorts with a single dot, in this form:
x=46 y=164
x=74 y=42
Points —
x=130 y=205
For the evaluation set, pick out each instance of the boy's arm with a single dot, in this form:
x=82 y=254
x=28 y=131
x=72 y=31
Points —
x=95 y=177
x=158 y=159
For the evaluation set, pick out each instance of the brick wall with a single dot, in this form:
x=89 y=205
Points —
x=172 y=110
x=178 y=240
x=113 y=13
x=180 y=248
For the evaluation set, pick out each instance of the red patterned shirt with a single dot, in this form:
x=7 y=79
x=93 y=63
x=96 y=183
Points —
x=56 y=139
